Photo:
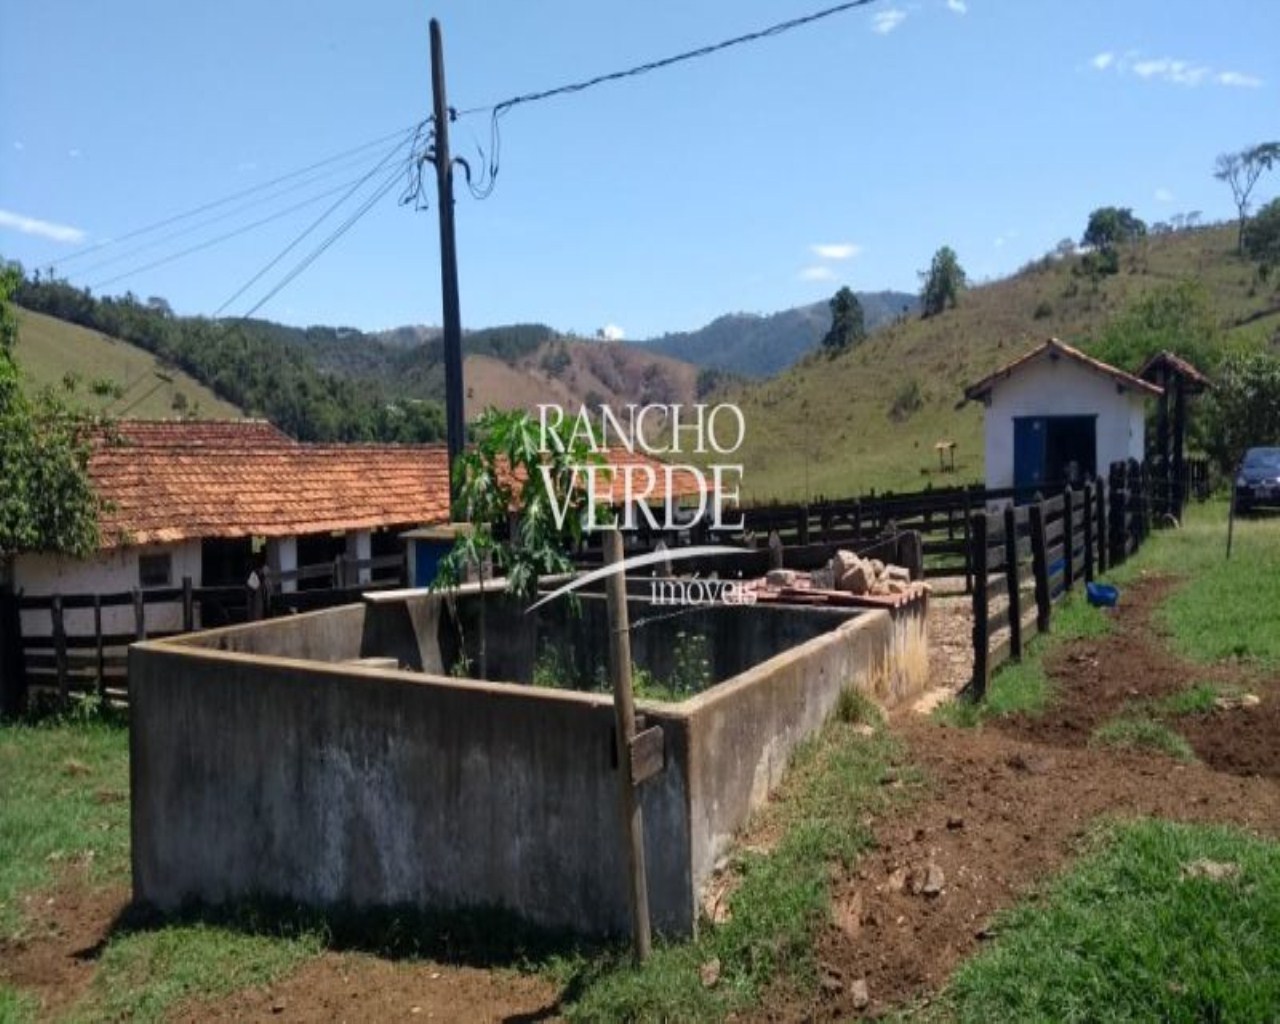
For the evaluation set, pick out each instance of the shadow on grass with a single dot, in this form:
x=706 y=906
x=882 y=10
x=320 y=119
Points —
x=484 y=937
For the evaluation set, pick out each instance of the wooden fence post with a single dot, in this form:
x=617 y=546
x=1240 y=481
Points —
x=97 y=635
x=968 y=542
x=1011 y=582
x=1100 y=497
x=188 y=605
x=981 y=638
x=13 y=676
x=1087 y=511
x=1118 y=514
x=59 y=647
x=139 y=615
x=1068 y=538
x=1039 y=565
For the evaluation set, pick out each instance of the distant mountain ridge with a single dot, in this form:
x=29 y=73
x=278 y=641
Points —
x=755 y=345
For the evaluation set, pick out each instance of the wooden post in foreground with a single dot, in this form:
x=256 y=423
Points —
x=625 y=720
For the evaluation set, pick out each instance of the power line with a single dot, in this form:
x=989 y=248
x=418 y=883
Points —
x=497 y=110
x=387 y=185
x=342 y=167
x=408 y=139
x=217 y=240
x=233 y=197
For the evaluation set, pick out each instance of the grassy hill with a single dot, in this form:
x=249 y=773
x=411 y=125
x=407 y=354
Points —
x=869 y=418
x=49 y=348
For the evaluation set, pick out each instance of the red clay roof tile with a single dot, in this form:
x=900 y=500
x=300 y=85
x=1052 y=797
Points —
x=165 y=481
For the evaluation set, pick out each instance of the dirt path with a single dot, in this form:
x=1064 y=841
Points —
x=1007 y=805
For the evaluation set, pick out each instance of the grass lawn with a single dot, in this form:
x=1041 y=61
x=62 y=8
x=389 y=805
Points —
x=1023 y=686
x=1158 y=922
x=64 y=792
x=64 y=806
x=1229 y=609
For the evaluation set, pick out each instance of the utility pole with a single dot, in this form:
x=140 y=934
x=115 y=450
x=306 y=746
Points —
x=624 y=711
x=455 y=419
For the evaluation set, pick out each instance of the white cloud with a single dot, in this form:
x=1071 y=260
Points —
x=1239 y=80
x=1173 y=70
x=40 y=228
x=836 y=250
x=958 y=6
x=885 y=22
x=1164 y=195
x=1180 y=72
x=817 y=273
x=18 y=146
x=612 y=332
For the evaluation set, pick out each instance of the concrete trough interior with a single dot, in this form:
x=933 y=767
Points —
x=330 y=758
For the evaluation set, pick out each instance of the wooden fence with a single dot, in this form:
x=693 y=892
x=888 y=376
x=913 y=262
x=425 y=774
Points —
x=1027 y=558
x=83 y=649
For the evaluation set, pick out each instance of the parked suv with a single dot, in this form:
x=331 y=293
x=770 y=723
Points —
x=1258 y=480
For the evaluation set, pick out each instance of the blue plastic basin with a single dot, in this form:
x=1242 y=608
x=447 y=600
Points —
x=1102 y=595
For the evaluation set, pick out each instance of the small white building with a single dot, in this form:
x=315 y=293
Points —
x=1056 y=415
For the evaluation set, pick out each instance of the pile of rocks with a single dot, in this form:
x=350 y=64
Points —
x=867 y=575
x=851 y=574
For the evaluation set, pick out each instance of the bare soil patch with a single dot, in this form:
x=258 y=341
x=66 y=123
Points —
x=361 y=988
x=1131 y=668
x=1008 y=804
x=64 y=930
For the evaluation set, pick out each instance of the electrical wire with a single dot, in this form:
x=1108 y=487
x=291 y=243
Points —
x=213 y=204
x=383 y=189
x=497 y=110
x=408 y=139
x=345 y=166
x=217 y=240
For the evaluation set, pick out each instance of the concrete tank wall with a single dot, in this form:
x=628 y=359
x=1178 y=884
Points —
x=263 y=765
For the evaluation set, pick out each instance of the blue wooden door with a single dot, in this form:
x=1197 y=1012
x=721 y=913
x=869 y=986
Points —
x=1028 y=452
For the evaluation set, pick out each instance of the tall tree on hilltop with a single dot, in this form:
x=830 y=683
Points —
x=848 y=324
x=1240 y=172
x=943 y=282
x=1110 y=226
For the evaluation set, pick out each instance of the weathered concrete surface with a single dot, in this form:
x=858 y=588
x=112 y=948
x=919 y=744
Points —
x=742 y=734
x=339 y=785
x=263 y=765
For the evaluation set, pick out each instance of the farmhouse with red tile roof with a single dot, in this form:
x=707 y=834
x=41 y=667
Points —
x=212 y=500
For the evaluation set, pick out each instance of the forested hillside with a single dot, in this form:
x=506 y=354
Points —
x=249 y=365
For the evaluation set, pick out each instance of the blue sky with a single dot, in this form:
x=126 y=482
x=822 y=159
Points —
x=753 y=180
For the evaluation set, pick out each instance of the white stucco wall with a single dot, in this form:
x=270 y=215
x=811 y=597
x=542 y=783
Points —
x=108 y=572
x=1062 y=387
